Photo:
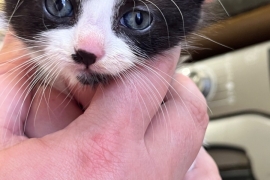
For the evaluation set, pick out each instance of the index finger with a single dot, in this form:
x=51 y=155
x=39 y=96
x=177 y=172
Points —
x=205 y=168
x=13 y=84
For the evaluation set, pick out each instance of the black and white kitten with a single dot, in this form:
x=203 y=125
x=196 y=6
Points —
x=84 y=42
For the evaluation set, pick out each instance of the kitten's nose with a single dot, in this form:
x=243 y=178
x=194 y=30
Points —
x=84 y=57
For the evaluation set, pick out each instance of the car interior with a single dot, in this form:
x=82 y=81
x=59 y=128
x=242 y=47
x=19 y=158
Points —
x=230 y=63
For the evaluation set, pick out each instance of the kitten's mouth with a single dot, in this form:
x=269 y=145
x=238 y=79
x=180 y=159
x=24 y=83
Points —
x=93 y=79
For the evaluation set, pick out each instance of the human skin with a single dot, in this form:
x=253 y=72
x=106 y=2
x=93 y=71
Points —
x=125 y=133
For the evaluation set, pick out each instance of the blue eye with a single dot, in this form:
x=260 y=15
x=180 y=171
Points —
x=59 y=8
x=136 y=20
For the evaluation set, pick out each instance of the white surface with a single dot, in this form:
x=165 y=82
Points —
x=249 y=132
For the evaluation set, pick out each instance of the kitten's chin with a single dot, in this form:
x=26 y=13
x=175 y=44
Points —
x=93 y=79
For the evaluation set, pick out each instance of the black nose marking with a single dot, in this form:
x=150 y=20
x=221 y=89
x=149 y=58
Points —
x=84 y=57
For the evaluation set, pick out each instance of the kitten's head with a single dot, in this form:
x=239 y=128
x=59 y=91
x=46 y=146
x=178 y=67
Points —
x=87 y=40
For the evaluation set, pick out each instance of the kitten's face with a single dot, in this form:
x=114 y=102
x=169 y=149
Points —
x=84 y=41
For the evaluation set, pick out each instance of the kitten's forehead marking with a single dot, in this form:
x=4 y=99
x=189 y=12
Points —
x=96 y=17
x=99 y=10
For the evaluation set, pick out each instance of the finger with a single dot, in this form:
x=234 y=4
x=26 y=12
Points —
x=14 y=103
x=45 y=116
x=15 y=98
x=51 y=111
x=83 y=95
x=204 y=168
x=130 y=103
x=176 y=133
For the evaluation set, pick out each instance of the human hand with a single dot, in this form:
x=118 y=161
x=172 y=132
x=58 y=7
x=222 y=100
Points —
x=124 y=134
x=204 y=168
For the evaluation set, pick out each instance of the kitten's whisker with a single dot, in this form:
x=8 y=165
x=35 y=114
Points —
x=43 y=86
x=17 y=83
x=137 y=94
x=182 y=16
x=44 y=22
x=149 y=86
x=201 y=100
x=23 y=71
x=40 y=79
x=51 y=81
x=32 y=85
x=209 y=39
x=17 y=58
x=25 y=67
x=24 y=94
x=164 y=20
x=224 y=8
x=134 y=5
x=17 y=6
x=174 y=90
x=20 y=49
x=35 y=39
x=149 y=13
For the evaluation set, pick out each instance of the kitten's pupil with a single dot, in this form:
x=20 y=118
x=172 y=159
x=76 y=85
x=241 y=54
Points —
x=59 y=4
x=59 y=8
x=139 y=18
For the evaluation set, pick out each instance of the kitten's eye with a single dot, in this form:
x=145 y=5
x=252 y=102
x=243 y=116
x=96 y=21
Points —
x=136 y=20
x=59 y=8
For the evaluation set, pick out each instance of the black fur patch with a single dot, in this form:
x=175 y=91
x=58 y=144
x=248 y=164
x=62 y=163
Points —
x=172 y=21
x=93 y=79
x=30 y=17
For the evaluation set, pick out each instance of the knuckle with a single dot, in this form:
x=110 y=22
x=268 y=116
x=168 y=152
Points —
x=199 y=113
x=193 y=99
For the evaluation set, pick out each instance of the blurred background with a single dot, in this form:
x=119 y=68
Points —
x=229 y=60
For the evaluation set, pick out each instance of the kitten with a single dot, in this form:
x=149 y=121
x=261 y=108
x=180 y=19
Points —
x=78 y=44
x=85 y=42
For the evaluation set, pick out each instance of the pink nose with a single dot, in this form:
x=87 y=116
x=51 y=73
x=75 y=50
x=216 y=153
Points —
x=93 y=45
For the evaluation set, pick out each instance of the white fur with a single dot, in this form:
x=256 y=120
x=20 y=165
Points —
x=93 y=33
